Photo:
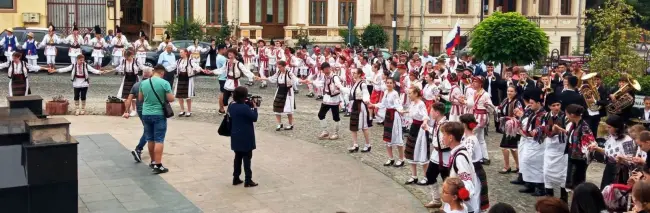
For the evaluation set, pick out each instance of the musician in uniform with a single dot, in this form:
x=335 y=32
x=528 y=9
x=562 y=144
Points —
x=595 y=98
x=75 y=40
x=491 y=86
x=569 y=95
x=622 y=101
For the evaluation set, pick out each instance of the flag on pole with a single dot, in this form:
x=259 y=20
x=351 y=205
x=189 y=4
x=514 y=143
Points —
x=453 y=38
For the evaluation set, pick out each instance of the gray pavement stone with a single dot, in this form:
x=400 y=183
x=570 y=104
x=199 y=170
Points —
x=140 y=205
x=105 y=205
x=97 y=196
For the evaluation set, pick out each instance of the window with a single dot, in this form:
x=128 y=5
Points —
x=505 y=5
x=435 y=6
x=565 y=7
x=435 y=45
x=463 y=43
x=216 y=12
x=462 y=7
x=318 y=12
x=347 y=10
x=544 y=7
x=180 y=9
x=565 y=42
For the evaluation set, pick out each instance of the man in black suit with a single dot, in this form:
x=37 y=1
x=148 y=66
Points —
x=570 y=95
x=560 y=72
x=528 y=85
x=492 y=85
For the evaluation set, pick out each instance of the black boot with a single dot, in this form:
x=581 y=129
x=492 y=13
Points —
x=539 y=190
x=519 y=181
x=550 y=192
x=564 y=195
x=528 y=188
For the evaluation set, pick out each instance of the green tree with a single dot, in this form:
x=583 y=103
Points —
x=374 y=35
x=182 y=29
x=405 y=45
x=355 y=36
x=219 y=34
x=642 y=7
x=614 y=38
x=508 y=38
x=303 y=38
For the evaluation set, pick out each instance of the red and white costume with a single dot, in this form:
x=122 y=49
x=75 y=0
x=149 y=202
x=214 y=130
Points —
x=248 y=53
x=457 y=108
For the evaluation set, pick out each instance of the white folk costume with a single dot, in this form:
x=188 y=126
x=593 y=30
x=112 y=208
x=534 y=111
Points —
x=119 y=44
x=440 y=156
x=417 y=144
x=129 y=70
x=332 y=90
x=274 y=55
x=457 y=108
x=9 y=43
x=163 y=46
x=195 y=53
x=555 y=157
x=317 y=59
x=248 y=53
x=359 y=115
x=30 y=47
x=98 y=44
x=186 y=69
x=531 y=149
x=233 y=71
x=429 y=94
x=462 y=168
x=392 y=120
x=284 y=101
x=378 y=87
x=262 y=60
x=80 y=83
x=479 y=103
x=48 y=42
x=300 y=66
x=141 y=47
x=18 y=77
x=75 y=42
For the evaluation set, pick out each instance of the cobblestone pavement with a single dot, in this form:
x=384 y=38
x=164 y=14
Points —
x=205 y=108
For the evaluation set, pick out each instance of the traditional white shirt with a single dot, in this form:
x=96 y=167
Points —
x=18 y=68
x=234 y=71
x=464 y=170
x=131 y=66
x=377 y=81
x=332 y=89
x=275 y=54
x=286 y=77
x=48 y=42
x=73 y=40
x=119 y=41
x=141 y=45
x=430 y=91
x=186 y=65
x=391 y=100
x=418 y=111
x=8 y=51
x=318 y=60
x=80 y=69
x=360 y=91
x=247 y=51
x=162 y=46
x=99 y=43
x=471 y=143
x=195 y=51
x=436 y=141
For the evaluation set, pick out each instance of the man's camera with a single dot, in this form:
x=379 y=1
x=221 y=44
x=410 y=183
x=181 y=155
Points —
x=254 y=98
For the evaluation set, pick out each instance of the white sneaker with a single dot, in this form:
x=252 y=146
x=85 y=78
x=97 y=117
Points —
x=133 y=114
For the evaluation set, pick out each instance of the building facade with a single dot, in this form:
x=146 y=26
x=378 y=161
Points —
x=266 y=19
x=61 y=13
x=426 y=23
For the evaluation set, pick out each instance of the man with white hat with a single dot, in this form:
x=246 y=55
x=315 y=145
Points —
x=30 y=46
x=75 y=40
x=9 y=43
x=50 y=50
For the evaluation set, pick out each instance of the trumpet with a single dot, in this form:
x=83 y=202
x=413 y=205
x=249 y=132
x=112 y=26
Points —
x=493 y=78
x=547 y=89
x=522 y=82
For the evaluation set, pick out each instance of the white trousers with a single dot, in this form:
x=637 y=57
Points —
x=141 y=60
x=117 y=60
x=98 y=61
x=73 y=60
x=51 y=59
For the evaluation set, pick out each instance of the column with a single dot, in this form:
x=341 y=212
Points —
x=519 y=6
x=490 y=7
x=333 y=13
x=302 y=11
x=244 y=10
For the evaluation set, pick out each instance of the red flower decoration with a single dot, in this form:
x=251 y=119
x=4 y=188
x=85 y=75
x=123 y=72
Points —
x=463 y=194
x=472 y=125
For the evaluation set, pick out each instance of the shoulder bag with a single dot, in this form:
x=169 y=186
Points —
x=226 y=124
x=166 y=107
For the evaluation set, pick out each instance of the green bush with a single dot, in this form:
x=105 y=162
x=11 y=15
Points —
x=355 y=36
x=186 y=29
x=405 y=45
x=374 y=35
x=303 y=38
x=219 y=34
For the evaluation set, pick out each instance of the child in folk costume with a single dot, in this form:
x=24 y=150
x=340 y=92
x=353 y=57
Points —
x=141 y=47
x=555 y=157
x=470 y=141
x=30 y=47
x=317 y=59
x=378 y=88
x=359 y=114
x=479 y=103
x=300 y=64
x=75 y=41
x=234 y=70
x=509 y=125
x=284 y=101
x=262 y=59
x=119 y=44
x=129 y=68
x=9 y=42
x=454 y=195
x=98 y=45
x=417 y=144
x=275 y=54
x=439 y=165
x=80 y=81
x=392 y=123
x=332 y=89
x=289 y=57
x=248 y=52
x=48 y=42
x=455 y=97
x=430 y=91
x=345 y=69
x=531 y=150
x=186 y=69
x=460 y=164
x=167 y=42
x=195 y=51
x=17 y=73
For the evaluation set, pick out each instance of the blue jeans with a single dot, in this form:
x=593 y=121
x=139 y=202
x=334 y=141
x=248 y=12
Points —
x=155 y=128
x=143 y=141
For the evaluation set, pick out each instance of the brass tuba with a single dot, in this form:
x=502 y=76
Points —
x=590 y=91
x=623 y=97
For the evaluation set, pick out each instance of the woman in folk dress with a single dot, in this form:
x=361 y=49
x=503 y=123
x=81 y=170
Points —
x=195 y=51
x=509 y=125
x=284 y=101
x=479 y=104
x=392 y=124
x=129 y=68
x=456 y=98
x=17 y=72
x=471 y=143
x=377 y=83
x=184 y=87
x=430 y=90
x=618 y=152
x=359 y=114
x=417 y=151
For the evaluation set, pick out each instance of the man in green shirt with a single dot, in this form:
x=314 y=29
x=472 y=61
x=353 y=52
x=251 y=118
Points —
x=153 y=118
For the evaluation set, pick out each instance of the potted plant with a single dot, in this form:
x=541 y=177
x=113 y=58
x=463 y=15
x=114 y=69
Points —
x=57 y=106
x=114 y=106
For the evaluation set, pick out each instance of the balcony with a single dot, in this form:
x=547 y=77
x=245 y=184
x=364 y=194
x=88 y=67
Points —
x=534 y=19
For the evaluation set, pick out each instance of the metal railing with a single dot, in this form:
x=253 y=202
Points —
x=535 y=19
